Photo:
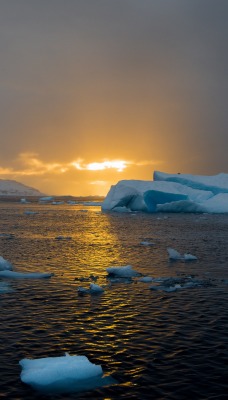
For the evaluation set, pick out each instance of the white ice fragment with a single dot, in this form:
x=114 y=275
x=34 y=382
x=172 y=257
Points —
x=60 y=373
x=28 y=212
x=146 y=243
x=24 y=201
x=21 y=275
x=189 y=257
x=45 y=199
x=96 y=288
x=146 y=279
x=174 y=254
x=7 y=235
x=5 y=265
x=122 y=272
x=93 y=289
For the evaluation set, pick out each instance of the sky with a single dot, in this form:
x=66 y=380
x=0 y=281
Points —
x=96 y=91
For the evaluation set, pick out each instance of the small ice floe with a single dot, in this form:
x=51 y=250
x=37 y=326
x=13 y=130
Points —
x=145 y=243
x=82 y=290
x=60 y=237
x=146 y=279
x=28 y=212
x=45 y=199
x=175 y=283
x=7 y=235
x=96 y=289
x=189 y=257
x=66 y=374
x=166 y=288
x=24 y=201
x=5 y=288
x=23 y=275
x=93 y=289
x=174 y=255
x=71 y=202
x=122 y=272
x=56 y=203
x=5 y=265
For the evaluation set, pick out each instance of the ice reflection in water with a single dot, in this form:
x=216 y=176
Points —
x=156 y=344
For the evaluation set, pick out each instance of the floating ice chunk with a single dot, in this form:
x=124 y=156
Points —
x=5 y=265
x=122 y=272
x=63 y=374
x=45 y=199
x=24 y=275
x=145 y=243
x=7 y=235
x=170 y=288
x=176 y=283
x=189 y=257
x=82 y=290
x=60 y=237
x=146 y=279
x=24 y=201
x=28 y=212
x=96 y=288
x=174 y=254
x=93 y=289
x=166 y=288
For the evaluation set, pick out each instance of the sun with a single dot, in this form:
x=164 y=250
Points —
x=118 y=165
x=99 y=166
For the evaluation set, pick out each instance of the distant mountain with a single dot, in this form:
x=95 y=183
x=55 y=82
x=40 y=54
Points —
x=13 y=188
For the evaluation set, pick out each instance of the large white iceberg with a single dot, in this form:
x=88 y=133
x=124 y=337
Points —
x=170 y=193
x=63 y=374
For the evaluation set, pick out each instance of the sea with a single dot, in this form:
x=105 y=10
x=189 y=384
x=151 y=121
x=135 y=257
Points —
x=161 y=341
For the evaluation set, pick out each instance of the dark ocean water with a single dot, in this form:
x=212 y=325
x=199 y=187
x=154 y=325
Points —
x=156 y=344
